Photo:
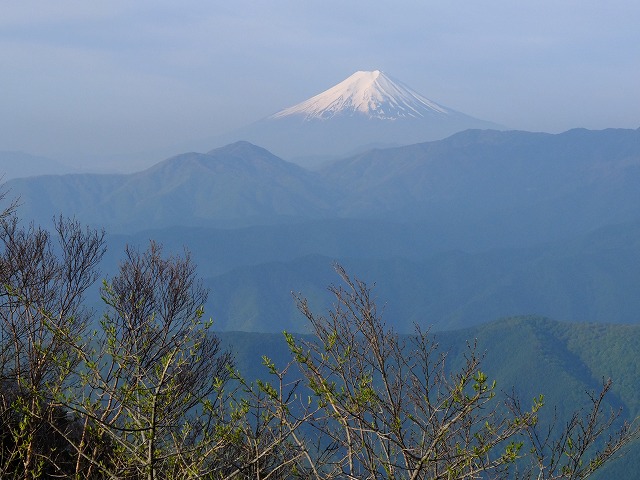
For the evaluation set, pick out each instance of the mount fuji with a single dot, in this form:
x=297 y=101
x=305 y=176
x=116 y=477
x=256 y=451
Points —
x=368 y=109
x=372 y=95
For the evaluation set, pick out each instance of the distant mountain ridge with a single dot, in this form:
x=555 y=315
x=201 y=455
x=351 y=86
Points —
x=239 y=184
x=20 y=164
x=519 y=186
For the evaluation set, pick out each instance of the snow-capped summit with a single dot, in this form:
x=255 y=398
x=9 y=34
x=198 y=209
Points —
x=370 y=94
x=367 y=110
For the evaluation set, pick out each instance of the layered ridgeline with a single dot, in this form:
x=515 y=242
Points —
x=589 y=279
x=456 y=232
x=252 y=271
x=486 y=187
x=367 y=108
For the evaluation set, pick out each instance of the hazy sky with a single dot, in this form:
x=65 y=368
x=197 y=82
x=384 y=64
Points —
x=82 y=77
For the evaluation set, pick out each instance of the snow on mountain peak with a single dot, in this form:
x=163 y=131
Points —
x=372 y=94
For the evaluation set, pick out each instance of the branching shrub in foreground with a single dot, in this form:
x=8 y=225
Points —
x=150 y=393
x=376 y=406
x=577 y=447
x=42 y=286
x=153 y=388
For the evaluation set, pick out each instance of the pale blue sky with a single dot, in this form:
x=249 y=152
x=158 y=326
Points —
x=122 y=76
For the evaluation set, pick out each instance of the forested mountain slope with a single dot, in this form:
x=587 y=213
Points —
x=591 y=278
x=526 y=356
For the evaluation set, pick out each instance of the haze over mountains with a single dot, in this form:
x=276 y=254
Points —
x=244 y=133
x=457 y=231
x=369 y=108
x=20 y=164
x=518 y=186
